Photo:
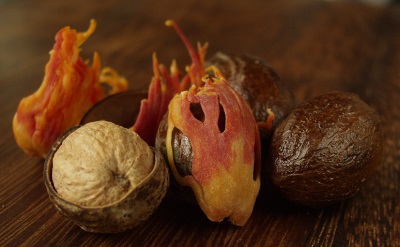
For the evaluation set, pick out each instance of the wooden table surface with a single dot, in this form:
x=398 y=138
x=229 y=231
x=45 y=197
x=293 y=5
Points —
x=315 y=46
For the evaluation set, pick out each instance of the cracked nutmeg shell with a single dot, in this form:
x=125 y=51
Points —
x=325 y=149
x=104 y=177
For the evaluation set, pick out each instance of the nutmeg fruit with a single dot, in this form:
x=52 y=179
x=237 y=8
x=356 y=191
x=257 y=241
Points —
x=211 y=141
x=104 y=177
x=259 y=84
x=325 y=149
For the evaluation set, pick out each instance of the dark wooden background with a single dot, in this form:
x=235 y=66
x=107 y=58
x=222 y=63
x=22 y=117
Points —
x=315 y=46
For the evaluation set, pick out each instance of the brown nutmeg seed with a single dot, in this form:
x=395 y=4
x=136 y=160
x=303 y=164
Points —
x=325 y=149
x=259 y=84
x=183 y=155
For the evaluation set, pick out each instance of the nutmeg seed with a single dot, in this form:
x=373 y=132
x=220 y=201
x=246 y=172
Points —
x=259 y=84
x=325 y=149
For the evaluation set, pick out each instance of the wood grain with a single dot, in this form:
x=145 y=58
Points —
x=315 y=46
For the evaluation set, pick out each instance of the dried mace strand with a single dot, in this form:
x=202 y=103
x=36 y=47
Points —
x=69 y=88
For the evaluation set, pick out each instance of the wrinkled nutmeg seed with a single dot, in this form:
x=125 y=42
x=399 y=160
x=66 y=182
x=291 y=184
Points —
x=325 y=149
x=89 y=171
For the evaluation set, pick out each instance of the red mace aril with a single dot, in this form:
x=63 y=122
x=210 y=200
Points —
x=70 y=88
x=164 y=85
x=224 y=169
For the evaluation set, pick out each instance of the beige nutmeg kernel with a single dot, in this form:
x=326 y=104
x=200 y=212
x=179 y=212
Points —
x=100 y=162
x=104 y=177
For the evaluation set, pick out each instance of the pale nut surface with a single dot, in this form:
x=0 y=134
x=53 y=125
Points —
x=99 y=163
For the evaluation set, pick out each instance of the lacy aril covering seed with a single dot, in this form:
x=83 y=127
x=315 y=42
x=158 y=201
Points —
x=221 y=156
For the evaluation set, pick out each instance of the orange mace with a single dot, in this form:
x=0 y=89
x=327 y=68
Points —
x=69 y=88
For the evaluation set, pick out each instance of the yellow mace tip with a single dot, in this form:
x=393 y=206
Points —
x=169 y=22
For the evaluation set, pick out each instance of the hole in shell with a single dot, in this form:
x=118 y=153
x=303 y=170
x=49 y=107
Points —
x=197 y=111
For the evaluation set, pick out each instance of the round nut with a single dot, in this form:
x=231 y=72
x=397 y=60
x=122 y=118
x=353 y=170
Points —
x=326 y=149
x=104 y=177
x=259 y=84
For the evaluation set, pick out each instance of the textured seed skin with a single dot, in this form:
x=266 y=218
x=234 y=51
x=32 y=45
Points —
x=259 y=84
x=325 y=149
x=182 y=155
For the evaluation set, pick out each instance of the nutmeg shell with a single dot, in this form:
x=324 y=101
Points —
x=325 y=149
x=131 y=210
